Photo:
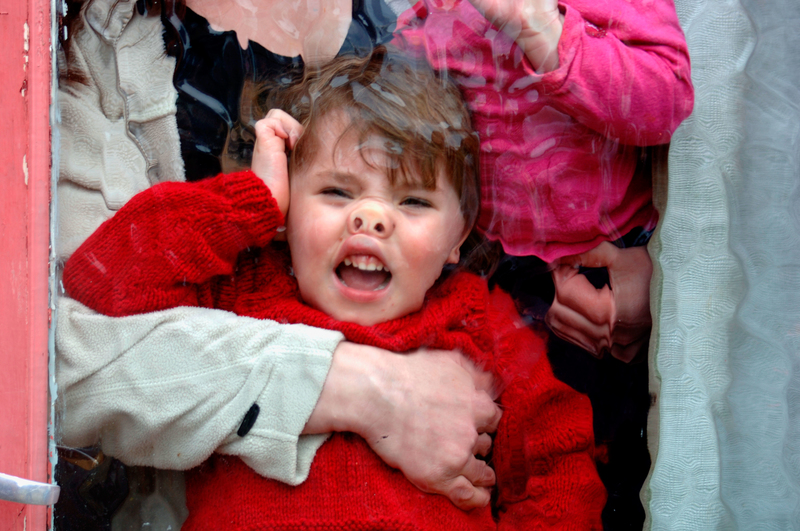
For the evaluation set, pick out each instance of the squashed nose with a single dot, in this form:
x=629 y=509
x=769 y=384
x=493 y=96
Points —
x=371 y=219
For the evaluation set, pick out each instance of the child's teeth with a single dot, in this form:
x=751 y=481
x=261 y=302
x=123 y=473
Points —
x=365 y=264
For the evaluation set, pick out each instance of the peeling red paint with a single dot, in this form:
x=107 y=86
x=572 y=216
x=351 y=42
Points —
x=24 y=236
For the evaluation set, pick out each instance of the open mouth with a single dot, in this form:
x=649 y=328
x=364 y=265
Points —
x=363 y=272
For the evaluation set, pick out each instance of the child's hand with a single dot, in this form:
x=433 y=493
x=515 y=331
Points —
x=615 y=319
x=535 y=25
x=275 y=134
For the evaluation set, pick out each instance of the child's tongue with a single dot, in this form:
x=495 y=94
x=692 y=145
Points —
x=355 y=278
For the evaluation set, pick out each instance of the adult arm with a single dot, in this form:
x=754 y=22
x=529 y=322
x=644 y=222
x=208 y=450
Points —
x=167 y=389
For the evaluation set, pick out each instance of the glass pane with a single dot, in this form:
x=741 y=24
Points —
x=561 y=124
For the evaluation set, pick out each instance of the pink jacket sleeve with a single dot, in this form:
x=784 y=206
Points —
x=623 y=65
x=162 y=249
x=623 y=69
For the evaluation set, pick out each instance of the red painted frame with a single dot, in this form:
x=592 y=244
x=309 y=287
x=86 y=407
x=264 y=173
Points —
x=25 y=161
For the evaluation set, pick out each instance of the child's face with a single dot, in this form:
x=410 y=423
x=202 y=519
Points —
x=364 y=250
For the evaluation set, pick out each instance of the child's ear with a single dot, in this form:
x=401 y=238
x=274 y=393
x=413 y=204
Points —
x=455 y=254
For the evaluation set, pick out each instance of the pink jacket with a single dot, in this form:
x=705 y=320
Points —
x=559 y=156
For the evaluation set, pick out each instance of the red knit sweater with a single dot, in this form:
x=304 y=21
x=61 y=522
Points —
x=208 y=244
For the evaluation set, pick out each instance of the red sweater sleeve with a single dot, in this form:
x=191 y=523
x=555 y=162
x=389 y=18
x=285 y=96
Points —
x=544 y=447
x=167 y=244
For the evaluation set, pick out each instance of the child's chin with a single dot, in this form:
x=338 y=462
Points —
x=366 y=316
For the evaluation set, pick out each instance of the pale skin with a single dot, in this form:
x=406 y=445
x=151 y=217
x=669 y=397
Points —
x=427 y=413
x=535 y=25
x=314 y=31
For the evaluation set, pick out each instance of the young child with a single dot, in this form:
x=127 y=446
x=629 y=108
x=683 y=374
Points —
x=383 y=191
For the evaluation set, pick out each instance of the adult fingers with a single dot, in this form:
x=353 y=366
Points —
x=478 y=473
x=466 y=496
x=483 y=445
x=486 y=413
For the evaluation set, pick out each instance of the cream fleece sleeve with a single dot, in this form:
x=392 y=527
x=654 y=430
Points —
x=167 y=389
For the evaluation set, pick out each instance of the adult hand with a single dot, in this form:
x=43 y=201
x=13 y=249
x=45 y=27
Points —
x=427 y=413
x=313 y=30
x=613 y=319
x=535 y=25
x=275 y=133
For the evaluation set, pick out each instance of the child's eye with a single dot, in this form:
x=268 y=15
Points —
x=416 y=202
x=336 y=192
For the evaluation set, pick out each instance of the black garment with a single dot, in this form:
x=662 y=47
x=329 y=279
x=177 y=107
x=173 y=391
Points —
x=211 y=72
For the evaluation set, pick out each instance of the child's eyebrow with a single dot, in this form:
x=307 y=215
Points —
x=338 y=176
x=351 y=179
x=344 y=177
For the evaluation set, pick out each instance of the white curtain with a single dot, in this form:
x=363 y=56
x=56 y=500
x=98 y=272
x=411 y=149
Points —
x=725 y=350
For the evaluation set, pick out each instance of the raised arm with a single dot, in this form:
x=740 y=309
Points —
x=622 y=66
x=166 y=244
x=623 y=69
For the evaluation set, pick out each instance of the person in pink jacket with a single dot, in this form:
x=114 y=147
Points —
x=566 y=96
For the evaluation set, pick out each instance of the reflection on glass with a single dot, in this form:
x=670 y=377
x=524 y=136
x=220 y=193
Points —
x=564 y=102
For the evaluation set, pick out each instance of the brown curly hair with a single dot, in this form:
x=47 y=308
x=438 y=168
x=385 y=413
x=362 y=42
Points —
x=418 y=113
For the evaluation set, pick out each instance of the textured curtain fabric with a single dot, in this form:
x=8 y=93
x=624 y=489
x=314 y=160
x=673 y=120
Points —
x=725 y=349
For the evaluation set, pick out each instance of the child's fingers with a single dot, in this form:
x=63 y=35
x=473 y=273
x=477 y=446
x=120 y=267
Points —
x=274 y=133
x=280 y=124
